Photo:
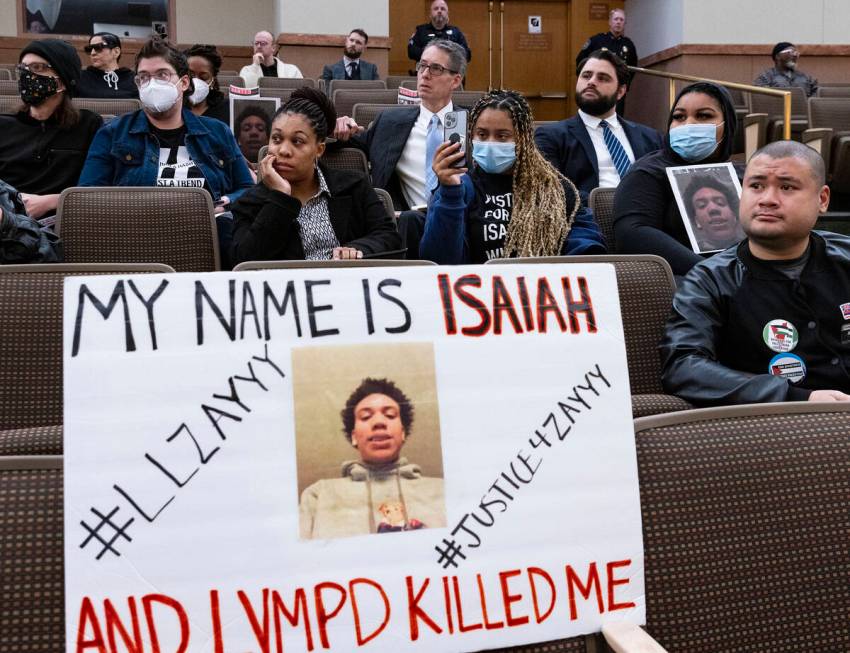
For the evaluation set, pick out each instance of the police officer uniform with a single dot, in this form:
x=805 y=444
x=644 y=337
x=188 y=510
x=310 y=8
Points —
x=427 y=32
x=622 y=46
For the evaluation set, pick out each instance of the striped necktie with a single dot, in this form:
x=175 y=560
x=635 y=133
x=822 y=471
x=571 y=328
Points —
x=616 y=150
x=432 y=142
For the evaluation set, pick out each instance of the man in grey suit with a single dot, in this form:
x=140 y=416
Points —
x=597 y=147
x=351 y=66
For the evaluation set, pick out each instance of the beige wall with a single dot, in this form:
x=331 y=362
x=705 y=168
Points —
x=232 y=23
x=8 y=18
x=333 y=16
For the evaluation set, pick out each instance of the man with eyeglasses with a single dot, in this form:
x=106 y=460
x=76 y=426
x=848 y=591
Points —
x=265 y=63
x=784 y=73
x=105 y=77
x=164 y=144
x=43 y=145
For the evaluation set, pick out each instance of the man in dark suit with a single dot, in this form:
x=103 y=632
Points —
x=597 y=147
x=351 y=66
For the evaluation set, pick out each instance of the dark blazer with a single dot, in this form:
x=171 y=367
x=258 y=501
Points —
x=567 y=146
x=384 y=144
x=337 y=71
x=266 y=221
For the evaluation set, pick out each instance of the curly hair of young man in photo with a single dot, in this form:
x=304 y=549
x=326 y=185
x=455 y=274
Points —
x=541 y=218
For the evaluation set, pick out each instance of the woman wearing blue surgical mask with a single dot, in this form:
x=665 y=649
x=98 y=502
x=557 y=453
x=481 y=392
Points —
x=512 y=202
x=701 y=129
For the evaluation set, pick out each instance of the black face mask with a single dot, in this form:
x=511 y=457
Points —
x=35 y=89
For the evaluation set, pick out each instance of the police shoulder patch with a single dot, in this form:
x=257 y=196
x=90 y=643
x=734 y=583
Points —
x=586 y=45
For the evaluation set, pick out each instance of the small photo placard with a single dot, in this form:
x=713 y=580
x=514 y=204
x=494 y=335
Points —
x=239 y=105
x=708 y=197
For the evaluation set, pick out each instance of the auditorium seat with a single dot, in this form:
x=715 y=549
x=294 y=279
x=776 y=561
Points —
x=410 y=82
x=334 y=84
x=5 y=74
x=175 y=226
x=394 y=81
x=829 y=134
x=283 y=93
x=12 y=68
x=225 y=81
x=285 y=82
x=745 y=525
x=108 y=106
x=347 y=263
x=8 y=87
x=31 y=350
x=466 y=99
x=773 y=106
x=344 y=99
x=344 y=158
x=646 y=288
x=601 y=202
x=364 y=113
x=834 y=91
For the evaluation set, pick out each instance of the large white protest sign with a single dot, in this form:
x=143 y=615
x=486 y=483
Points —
x=231 y=481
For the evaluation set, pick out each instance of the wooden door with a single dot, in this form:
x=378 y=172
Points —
x=504 y=53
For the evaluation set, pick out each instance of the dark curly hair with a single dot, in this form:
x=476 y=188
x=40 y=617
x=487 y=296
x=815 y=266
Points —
x=370 y=386
x=313 y=105
x=210 y=53
x=698 y=182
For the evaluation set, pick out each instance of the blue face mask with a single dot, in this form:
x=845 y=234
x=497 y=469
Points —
x=694 y=142
x=493 y=157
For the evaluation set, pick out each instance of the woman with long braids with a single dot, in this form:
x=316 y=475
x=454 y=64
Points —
x=301 y=209
x=512 y=202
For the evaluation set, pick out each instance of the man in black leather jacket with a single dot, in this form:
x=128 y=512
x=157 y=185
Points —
x=768 y=319
x=22 y=239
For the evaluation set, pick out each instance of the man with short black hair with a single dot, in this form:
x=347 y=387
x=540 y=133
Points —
x=784 y=73
x=597 y=147
x=352 y=66
x=769 y=319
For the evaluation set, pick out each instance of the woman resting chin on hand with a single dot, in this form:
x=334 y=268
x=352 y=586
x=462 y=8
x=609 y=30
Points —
x=302 y=210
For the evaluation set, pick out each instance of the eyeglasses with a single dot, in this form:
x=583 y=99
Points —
x=162 y=75
x=97 y=47
x=434 y=68
x=261 y=44
x=36 y=67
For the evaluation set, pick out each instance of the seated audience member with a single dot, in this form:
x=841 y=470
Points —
x=784 y=73
x=396 y=142
x=252 y=127
x=597 y=147
x=701 y=129
x=22 y=239
x=105 y=77
x=264 y=62
x=351 y=66
x=301 y=209
x=768 y=320
x=714 y=207
x=512 y=203
x=164 y=144
x=43 y=146
x=206 y=98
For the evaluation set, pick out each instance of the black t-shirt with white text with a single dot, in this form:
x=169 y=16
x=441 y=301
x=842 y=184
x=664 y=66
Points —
x=489 y=218
x=176 y=167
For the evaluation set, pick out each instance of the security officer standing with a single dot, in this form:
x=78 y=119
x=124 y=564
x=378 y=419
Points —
x=615 y=41
x=438 y=28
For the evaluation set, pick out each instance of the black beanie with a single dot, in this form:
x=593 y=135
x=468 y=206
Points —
x=62 y=56
x=779 y=47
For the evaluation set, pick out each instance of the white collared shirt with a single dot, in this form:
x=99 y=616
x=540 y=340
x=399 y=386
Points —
x=608 y=175
x=411 y=164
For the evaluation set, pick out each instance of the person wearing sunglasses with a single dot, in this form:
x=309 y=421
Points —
x=43 y=146
x=105 y=78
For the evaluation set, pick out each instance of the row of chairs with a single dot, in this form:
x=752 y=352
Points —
x=745 y=523
x=31 y=334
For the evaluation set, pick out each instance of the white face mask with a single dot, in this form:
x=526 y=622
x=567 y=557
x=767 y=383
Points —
x=202 y=90
x=157 y=96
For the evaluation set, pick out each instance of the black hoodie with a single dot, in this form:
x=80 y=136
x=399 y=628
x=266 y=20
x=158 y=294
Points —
x=646 y=217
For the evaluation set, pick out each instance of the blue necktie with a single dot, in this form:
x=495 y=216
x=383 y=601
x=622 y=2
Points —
x=616 y=150
x=432 y=142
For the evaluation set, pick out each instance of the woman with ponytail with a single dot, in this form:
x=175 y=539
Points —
x=301 y=209
x=512 y=202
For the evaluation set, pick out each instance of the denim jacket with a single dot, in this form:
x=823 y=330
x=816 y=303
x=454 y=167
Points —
x=125 y=153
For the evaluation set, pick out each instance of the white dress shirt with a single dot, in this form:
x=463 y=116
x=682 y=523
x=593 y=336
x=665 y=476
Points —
x=411 y=165
x=608 y=175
